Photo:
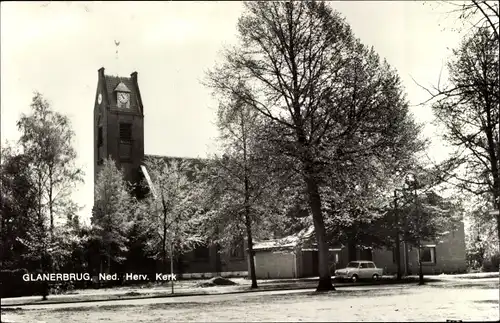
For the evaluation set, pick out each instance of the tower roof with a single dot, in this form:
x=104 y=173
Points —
x=113 y=84
x=121 y=87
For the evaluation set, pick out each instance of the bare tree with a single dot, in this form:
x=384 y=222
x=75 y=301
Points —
x=477 y=14
x=468 y=109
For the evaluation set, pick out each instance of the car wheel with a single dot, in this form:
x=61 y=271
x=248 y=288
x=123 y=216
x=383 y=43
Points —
x=354 y=278
x=375 y=277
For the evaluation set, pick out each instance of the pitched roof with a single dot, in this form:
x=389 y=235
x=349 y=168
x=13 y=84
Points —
x=288 y=242
x=192 y=163
x=199 y=162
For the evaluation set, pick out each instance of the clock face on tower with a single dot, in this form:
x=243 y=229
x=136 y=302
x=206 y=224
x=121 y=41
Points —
x=99 y=98
x=122 y=97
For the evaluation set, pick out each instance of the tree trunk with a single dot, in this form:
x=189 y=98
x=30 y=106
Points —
x=248 y=225
x=218 y=262
x=325 y=279
x=51 y=207
x=493 y=155
x=109 y=261
x=51 y=213
x=496 y=197
x=45 y=284
x=253 y=275
x=248 y=220
x=172 y=264
x=3 y=247
x=164 y=238
x=398 y=247
x=180 y=266
x=398 y=257
x=420 y=273
x=351 y=250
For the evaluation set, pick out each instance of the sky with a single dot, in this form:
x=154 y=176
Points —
x=56 y=48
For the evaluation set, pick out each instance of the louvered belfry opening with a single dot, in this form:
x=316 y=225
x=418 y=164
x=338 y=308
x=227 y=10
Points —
x=100 y=148
x=125 y=141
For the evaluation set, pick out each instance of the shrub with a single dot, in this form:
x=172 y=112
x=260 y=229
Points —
x=13 y=285
x=491 y=263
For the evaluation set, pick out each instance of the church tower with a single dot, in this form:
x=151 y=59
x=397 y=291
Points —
x=119 y=124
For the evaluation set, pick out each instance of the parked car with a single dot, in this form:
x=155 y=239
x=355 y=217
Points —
x=361 y=269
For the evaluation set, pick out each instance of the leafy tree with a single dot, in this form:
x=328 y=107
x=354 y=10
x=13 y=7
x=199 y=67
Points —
x=172 y=209
x=45 y=175
x=327 y=97
x=139 y=257
x=468 y=110
x=426 y=215
x=476 y=252
x=46 y=136
x=18 y=209
x=112 y=212
x=482 y=239
x=477 y=14
x=239 y=188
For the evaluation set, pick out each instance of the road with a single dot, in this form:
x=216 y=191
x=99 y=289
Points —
x=463 y=300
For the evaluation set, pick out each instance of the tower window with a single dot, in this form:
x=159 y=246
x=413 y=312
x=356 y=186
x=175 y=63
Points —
x=125 y=141
x=125 y=132
x=99 y=146
x=99 y=137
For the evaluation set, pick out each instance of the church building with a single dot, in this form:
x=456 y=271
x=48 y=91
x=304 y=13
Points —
x=119 y=133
